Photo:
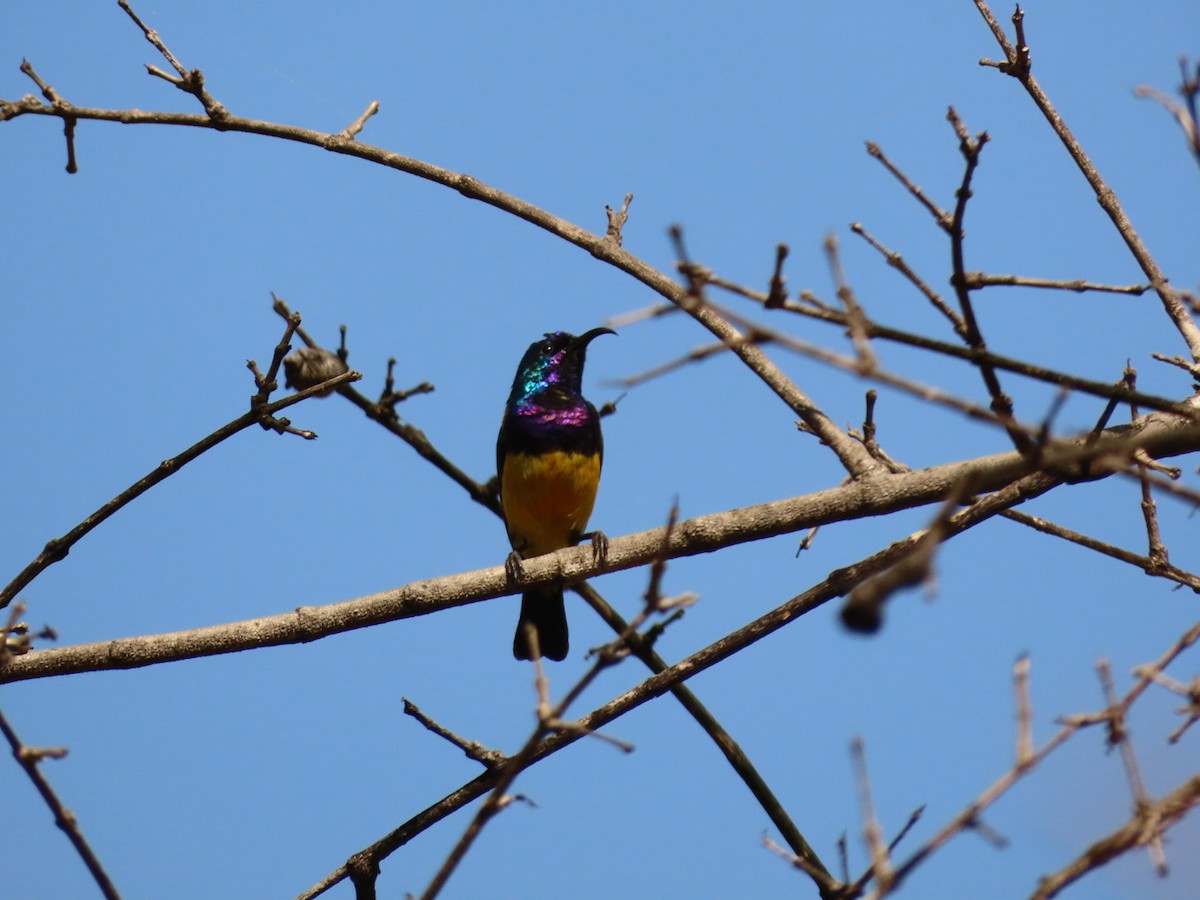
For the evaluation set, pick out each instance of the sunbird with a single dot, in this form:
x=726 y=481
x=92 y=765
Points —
x=548 y=458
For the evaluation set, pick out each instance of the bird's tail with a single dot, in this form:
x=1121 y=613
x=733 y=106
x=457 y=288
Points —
x=543 y=609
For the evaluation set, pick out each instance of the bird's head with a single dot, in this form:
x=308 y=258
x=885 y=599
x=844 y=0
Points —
x=554 y=363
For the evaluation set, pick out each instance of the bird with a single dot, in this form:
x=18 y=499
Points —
x=548 y=458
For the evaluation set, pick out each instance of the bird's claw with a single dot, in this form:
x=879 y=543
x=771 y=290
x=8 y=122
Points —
x=513 y=568
x=599 y=546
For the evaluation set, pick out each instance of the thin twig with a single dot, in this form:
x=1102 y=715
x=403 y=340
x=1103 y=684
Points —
x=616 y=221
x=1157 y=552
x=896 y=261
x=1191 y=368
x=868 y=436
x=824 y=313
x=386 y=416
x=975 y=280
x=47 y=91
x=548 y=723
x=1173 y=573
x=851 y=454
x=485 y=756
x=760 y=334
x=867 y=361
x=881 y=866
x=189 y=82
x=777 y=289
x=352 y=130
x=1001 y=403
x=942 y=217
x=798 y=861
x=27 y=758
x=57 y=548
x=1024 y=711
x=68 y=121
x=1147 y=824
x=1185 y=116
x=1190 y=693
x=1017 y=65
x=732 y=751
x=1118 y=735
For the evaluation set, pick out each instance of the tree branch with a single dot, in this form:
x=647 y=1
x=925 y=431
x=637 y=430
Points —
x=28 y=758
x=1147 y=825
x=1160 y=434
x=57 y=548
x=1017 y=65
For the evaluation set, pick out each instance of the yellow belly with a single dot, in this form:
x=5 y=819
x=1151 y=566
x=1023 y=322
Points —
x=547 y=499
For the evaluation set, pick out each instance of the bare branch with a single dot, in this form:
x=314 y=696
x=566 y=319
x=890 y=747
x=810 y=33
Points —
x=881 y=866
x=942 y=217
x=1190 y=693
x=549 y=722
x=1155 y=816
x=1001 y=403
x=28 y=758
x=813 y=308
x=896 y=261
x=1018 y=67
x=1191 y=368
x=1118 y=736
x=867 y=361
x=837 y=583
x=974 y=280
x=616 y=221
x=868 y=437
x=806 y=858
x=352 y=130
x=1159 y=433
x=189 y=82
x=68 y=121
x=1187 y=579
x=1024 y=712
x=57 y=548
x=488 y=758
x=852 y=455
x=385 y=415
x=1185 y=115
x=1146 y=826
x=777 y=290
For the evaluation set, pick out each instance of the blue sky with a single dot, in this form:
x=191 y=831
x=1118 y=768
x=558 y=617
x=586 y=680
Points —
x=133 y=292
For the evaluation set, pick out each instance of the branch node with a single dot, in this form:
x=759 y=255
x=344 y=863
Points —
x=616 y=221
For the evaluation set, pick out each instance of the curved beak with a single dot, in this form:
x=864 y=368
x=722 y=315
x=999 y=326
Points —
x=586 y=338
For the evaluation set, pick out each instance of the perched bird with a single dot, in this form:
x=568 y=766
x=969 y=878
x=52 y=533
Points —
x=548 y=462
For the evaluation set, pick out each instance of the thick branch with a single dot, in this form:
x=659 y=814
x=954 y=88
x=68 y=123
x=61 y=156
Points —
x=1160 y=434
x=835 y=584
x=852 y=455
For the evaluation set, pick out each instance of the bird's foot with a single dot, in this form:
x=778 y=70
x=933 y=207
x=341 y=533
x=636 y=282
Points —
x=599 y=546
x=513 y=568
